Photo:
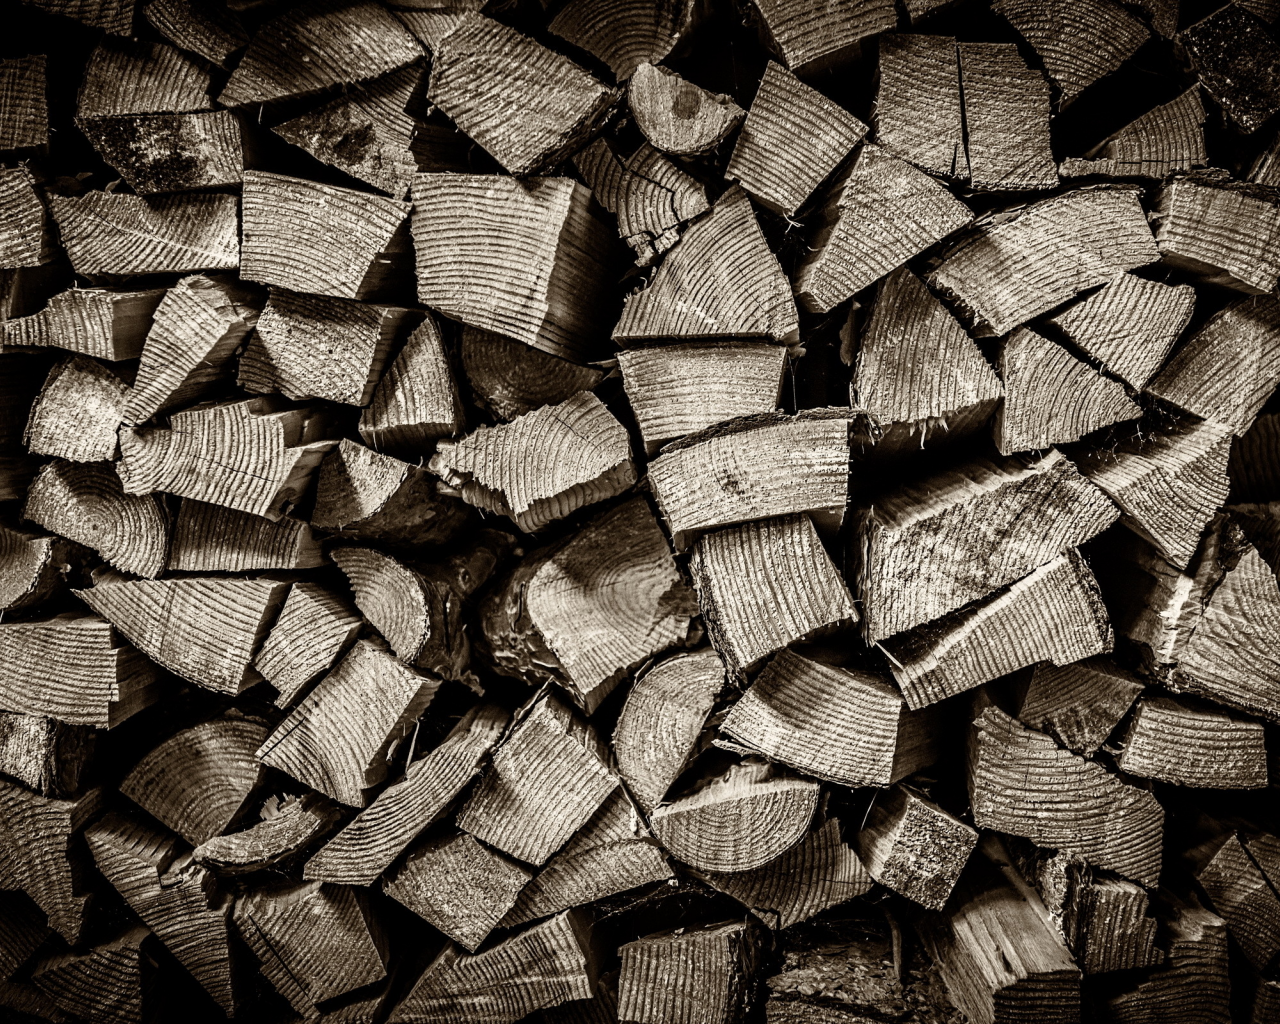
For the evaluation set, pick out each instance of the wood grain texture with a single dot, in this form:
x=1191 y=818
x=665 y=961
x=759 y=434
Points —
x=1235 y=55
x=626 y=33
x=812 y=36
x=1167 y=139
x=23 y=234
x=133 y=76
x=213 y=538
x=508 y=379
x=1006 y=112
x=918 y=114
x=105 y=982
x=198 y=26
x=96 y=322
x=1189 y=744
x=77 y=414
x=416 y=401
x=1239 y=891
x=286 y=829
x=314 y=628
x=676 y=116
x=169 y=152
x=1079 y=704
x=33 y=568
x=45 y=755
x=24 y=107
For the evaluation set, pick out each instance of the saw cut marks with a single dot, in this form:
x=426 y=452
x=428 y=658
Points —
x=77 y=414
x=1167 y=139
x=629 y=34
x=1006 y=119
x=676 y=116
x=811 y=36
x=919 y=115
x=1080 y=704
x=24 y=110
x=129 y=76
x=1180 y=741
x=199 y=27
x=314 y=628
x=416 y=401
x=109 y=325
x=212 y=538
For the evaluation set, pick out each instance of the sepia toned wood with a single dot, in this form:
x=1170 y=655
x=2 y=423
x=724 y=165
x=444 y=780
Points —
x=918 y=112
x=202 y=27
x=1240 y=892
x=1006 y=119
x=416 y=401
x=77 y=414
x=33 y=568
x=676 y=116
x=169 y=152
x=24 y=107
x=24 y=932
x=212 y=538
x=1233 y=52
x=45 y=755
x=704 y=974
x=23 y=235
x=107 y=982
x=1079 y=704
x=508 y=379
x=1167 y=139
x=624 y=33
x=134 y=76
x=287 y=828
x=812 y=36
x=1254 y=467
x=1189 y=744
x=314 y=629
x=16 y=472
x=92 y=321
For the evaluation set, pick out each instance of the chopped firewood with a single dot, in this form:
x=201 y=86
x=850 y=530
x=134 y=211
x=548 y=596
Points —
x=912 y=846
x=32 y=568
x=705 y=974
x=1254 y=468
x=85 y=503
x=1006 y=119
x=475 y=234
x=204 y=629
x=287 y=828
x=508 y=378
x=317 y=45
x=213 y=538
x=547 y=779
x=314 y=629
x=676 y=116
x=1187 y=743
x=746 y=618
x=811 y=36
x=739 y=821
x=879 y=214
x=338 y=740
x=44 y=754
x=791 y=141
x=104 y=983
x=113 y=16
x=114 y=233
x=24 y=109
x=933 y=546
x=1011 y=269
x=78 y=412
x=416 y=401
x=137 y=76
x=73 y=668
x=1051 y=397
x=202 y=27
x=1024 y=784
x=1234 y=55
x=1240 y=892
x=549 y=964
x=837 y=724
x=197 y=780
x=1167 y=139
x=1161 y=14
x=249 y=455
x=586 y=610
x=23 y=241
x=1079 y=704
x=918 y=109
x=628 y=34
x=367 y=846
x=169 y=152
x=156 y=878
x=91 y=321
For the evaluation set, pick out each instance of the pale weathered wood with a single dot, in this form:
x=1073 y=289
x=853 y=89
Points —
x=33 y=569
x=704 y=974
x=1167 y=139
x=77 y=414
x=92 y=321
x=626 y=33
x=676 y=116
x=1006 y=119
x=416 y=401
x=811 y=36
x=1079 y=704
x=1233 y=53
x=508 y=379
x=141 y=77
x=314 y=629
x=45 y=755
x=1189 y=744
x=288 y=827
x=918 y=114
x=202 y=27
x=24 y=108
x=169 y=152
x=213 y=538
x=106 y=982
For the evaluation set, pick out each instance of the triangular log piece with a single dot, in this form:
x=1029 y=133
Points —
x=931 y=547
x=911 y=845
x=476 y=234
x=105 y=983
x=1254 y=468
x=582 y=452
x=588 y=609
x=366 y=847
x=705 y=973
x=1263 y=1000
x=1232 y=51
x=791 y=141
x=416 y=401
x=287 y=828
x=339 y=739
x=1227 y=370
x=738 y=821
x=201 y=27
x=1016 y=773
x=1006 y=119
x=1079 y=704
x=87 y=504
x=484 y=73
x=918 y=110
x=169 y=152
x=114 y=233
x=24 y=109
x=23 y=234
x=77 y=414
x=1051 y=397
x=24 y=931
x=720 y=281
x=251 y=455
x=508 y=378
x=880 y=213
x=662 y=720
x=747 y=618
x=1239 y=891
x=32 y=568
x=317 y=45
x=676 y=116
x=197 y=781
x=45 y=755
x=314 y=629
x=1014 y=267
x=458 y=885
x=431 y=20
x=1053 y=614
x=837 y=724
x=73 y=668
x=1186 y=743
x=214 y=538
x=154 y=874
x=652 y=198
x=813 y=35
x=546 y=781
x=91 y=321
x=204 y=629
x=549 y=964
x=310 y=237
x=134 y=76
x=634 y=32
x=1167 y=139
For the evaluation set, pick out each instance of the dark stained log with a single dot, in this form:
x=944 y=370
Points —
x=1187 y=743
x=1254 y=468
x=213 y=538
x=1235 y=56
x=44 y=754
x=918 y=114
x=676 y=116
x=1079 y=704
x=91 y=321
x=141 y=77
x=416 y=401
x=705 y=974
x=1167 y=139
x=105 y=983
x=169 y=152
x=77 y=414
x=508 y=379
x=23 y=241
x=811 y=36
x=1266 y=167
x=625 y=33
x=24 y=108
x=314 y=628
x=33 y=568
x=202 y=27
x=1006 y=116
x=288 y=827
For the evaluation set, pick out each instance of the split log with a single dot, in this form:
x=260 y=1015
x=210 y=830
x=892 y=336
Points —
x=314 y=629
x=586 y=610
x=366 y=847
x=629 y=34
x=249 y=455
x=212 y=538
x=1264 y=1003
x=546 y=781
x=339 y=739
x=1233 y=53
x=134 y=76
x=811 y=36
x=91 y=321
x=317 y=45
x=508 y=379
x=86 y=503
x=201 y=27
x=880 y=213
x=172 y=896
x=287 y=828
x=24 y=932
x=1024 y=784
x=104 y=983
x=707 y=974
x=114 y=233
x=746 y=618
x=932 y=547
x=16 y=472
x=169 y=152
x=204 y=629
x=1006 y=118
x=1186 y=743
x=720 y=281
x=1011 y=269
x=1079 y=704
x=1051 y=397
x=1165 y=140
x=310 y=237
x=23 y=236
x=1240 y=892
x=476 y=233
x=918 y=112
x=1254 y=467
x=33 y=569
x=73 y=668
x=837 y=724
x=739 y=821
x=912 y=846
x=676 y=116
x=416 y=401
x=197 y=781
x=45 y=755
x=78 y=412
x=24 y=108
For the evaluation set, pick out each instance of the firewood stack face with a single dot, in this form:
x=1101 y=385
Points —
x=639 y=511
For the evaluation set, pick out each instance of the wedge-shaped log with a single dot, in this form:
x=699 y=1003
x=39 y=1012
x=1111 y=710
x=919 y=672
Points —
x=33 y=569
x=705 y=974
x=169 y=152
x=811 y=36
x=919 y=114
x=107 y=982
x=214 y=538
x=1079 y=704
x=23 y=241
x=314 y=628
x=92 y=321
x=134 y=76
x=199 y=27
x=676 y=116
x=1241 y=893
x=1165 y=140
x=416 y=401
x=1231 y=51
x=44 y=754
x=634 y=33
x=24 y=108
x=287 y=829
x=1006 y=119
x=77 y=414
x=508 y=379
x=1187 y=743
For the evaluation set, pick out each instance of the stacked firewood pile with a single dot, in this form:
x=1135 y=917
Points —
x=653 y=511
